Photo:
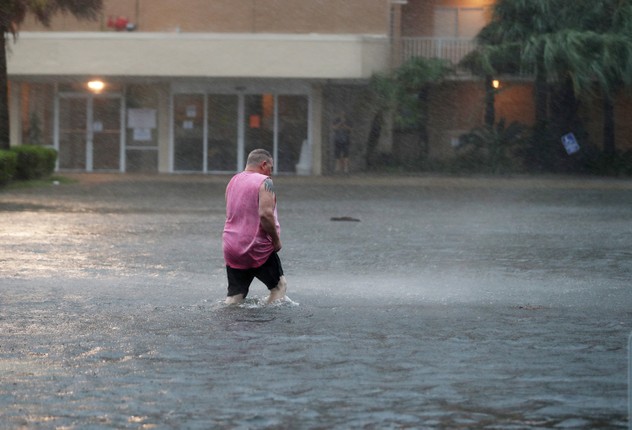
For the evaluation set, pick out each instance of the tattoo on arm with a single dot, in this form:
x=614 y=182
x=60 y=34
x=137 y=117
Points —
x=269 y=186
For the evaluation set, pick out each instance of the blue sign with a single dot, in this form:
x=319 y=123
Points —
x=570 y=143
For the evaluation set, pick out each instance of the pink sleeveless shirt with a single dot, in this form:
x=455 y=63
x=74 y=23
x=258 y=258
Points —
x=246 y=244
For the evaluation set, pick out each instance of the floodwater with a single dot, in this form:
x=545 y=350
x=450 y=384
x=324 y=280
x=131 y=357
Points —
x=452 y=303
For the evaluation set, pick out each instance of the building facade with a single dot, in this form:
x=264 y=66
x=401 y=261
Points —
x=192 y=86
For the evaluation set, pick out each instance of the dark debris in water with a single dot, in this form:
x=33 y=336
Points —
x=530 y=307
x=255 y=320
x=344 y=218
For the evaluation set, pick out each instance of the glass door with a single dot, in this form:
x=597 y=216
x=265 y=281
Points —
x=73 y=132
x=89 y=132
x=222 y=133
x=279 y=124
x=293 y=149
x=216 y=132
x=106 y=133
x=188 y=132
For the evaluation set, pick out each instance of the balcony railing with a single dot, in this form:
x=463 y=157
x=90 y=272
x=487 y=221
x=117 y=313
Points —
x=452 y=49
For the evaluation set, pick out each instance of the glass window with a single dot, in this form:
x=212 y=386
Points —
x=106 y=132
x=222 y=133
x=37 y=102
x=82 y=87
x=259 y=127
x=188 y=132
x=73 y=113
x=278 y=124
x=471 y=21
x=292 y=132
x=458 y=22
x=141 y=153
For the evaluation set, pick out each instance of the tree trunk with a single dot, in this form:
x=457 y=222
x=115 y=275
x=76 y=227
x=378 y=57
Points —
x=4 y=93
x=609 y=146
x=423 y=100
x=490 y=95
x=537 y=156
x=374 y=137
x=564 y=109
x=540 y=99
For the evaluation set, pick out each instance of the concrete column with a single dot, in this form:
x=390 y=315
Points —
x=15 y=120
x=396 y=33
x=165 y=141
x=315 y=124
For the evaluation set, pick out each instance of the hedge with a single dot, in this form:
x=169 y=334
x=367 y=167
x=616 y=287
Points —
x=8 y=166
x=34 y=162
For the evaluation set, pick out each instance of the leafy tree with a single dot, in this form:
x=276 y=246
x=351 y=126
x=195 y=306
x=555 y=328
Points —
x=487 y=62
x=406 y=91
x=573 y=48
x=593 y=61
x=384 y=97
x=12 y=15
x=593 y=51
x=515 y=25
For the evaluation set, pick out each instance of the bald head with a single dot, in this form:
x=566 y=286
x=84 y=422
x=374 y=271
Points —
x=258 y=156
x=260 y=161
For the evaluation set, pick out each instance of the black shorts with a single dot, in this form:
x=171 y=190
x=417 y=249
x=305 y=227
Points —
x=269 y=273
x=341 y=148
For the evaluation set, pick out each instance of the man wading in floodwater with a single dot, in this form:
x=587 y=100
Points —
x=251 y=232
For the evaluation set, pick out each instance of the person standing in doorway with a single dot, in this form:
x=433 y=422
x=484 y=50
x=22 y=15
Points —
x=251 y=237
x=342 y=141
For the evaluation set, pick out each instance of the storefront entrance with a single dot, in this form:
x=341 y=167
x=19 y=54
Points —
x=215 y=132
x=182 y=127
x=90 y=132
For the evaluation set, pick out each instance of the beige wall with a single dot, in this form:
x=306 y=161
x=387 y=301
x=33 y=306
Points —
x=458 y=106
x=237 y=16
x=418 y=15
x=198 y=55
x=514 y=102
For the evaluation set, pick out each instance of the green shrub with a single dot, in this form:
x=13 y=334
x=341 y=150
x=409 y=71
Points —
x=493 y=149
x=34 y=162
x=598 y=163
x=8 y=163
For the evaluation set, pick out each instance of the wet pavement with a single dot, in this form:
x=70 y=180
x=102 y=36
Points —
x=428 y=302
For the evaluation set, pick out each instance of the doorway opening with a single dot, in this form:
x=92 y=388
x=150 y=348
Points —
x=90 y=132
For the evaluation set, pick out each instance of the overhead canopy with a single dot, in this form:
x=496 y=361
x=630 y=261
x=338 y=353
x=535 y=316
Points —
x=198 y=55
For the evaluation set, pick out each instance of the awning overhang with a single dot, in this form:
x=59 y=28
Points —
x=172 y=55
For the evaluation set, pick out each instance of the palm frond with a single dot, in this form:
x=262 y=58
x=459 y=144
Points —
x=13 y=12
x=418 y=72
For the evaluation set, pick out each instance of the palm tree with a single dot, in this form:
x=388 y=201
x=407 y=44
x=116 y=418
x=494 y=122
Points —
x=593 y=52
x=12 y=14
x=406 y=93
x=516 y=25
x=490 y=59
x=572 y=48
x=415 y=79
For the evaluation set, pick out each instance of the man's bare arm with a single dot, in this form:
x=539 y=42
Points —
x=267 y=201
